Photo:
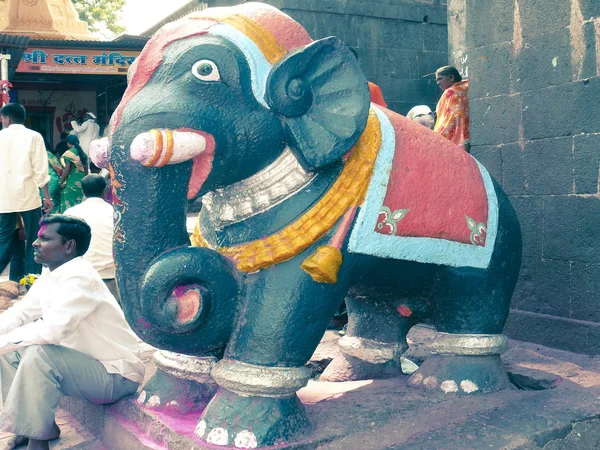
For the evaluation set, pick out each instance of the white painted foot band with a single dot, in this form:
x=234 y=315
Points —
x=185 y=367
x=468 y=344
x=259 y=381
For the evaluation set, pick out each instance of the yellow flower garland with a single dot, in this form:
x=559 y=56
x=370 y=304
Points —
x=28 y=280
x=347 y=191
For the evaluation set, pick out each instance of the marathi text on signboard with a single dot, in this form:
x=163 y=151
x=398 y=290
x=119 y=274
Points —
x=97 y=62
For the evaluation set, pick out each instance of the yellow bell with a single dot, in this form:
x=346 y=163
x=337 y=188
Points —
x=324 y=264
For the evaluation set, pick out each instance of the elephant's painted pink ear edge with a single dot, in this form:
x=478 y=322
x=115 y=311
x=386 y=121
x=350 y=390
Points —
x=157 y=148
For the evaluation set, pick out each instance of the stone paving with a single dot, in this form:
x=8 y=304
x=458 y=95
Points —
x=556 y=407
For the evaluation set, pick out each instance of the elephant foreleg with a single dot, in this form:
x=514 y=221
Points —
x=285 y=315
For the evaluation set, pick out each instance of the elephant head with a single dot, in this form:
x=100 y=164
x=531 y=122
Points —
x=211 y=100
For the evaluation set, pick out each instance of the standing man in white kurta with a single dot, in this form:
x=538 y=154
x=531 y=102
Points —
x=23 y=172
x=68 y=336
x=87 y=132
x=99 y=216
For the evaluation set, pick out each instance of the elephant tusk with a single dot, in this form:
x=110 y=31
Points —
x=99 y=151
x=156 y=148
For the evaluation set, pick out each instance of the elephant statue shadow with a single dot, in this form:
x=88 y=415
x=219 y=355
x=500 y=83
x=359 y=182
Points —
x=311 y=195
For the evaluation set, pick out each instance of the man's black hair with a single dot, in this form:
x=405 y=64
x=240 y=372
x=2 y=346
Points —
x=93 y=185
x=63 y=136
x=74 y=141
x=71 y=228
x=16 y=113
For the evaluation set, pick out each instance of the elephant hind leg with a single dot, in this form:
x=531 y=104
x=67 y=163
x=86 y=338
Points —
x=470 y=309
x=375 y=339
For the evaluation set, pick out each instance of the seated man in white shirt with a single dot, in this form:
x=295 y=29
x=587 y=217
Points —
x=99 y=216
x=68 y=336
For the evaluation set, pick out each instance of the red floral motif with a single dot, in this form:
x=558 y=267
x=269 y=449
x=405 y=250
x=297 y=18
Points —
x=387 y=221
x=478 y=232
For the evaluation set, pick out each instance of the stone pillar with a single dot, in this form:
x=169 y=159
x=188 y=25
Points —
x=4 y=66
x=457 y=36
x=4 y=83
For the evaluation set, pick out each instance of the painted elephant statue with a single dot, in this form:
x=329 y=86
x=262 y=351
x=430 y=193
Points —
x=310 y=194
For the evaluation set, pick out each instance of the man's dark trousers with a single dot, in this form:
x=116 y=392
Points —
x=31 y=220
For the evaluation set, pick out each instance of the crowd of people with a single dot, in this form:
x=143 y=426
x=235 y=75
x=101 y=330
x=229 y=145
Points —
x=451 y=117
x=36 y=179
x=60 y=186
x=83 y=347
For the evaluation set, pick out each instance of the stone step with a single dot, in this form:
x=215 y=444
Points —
x=129 y=426
x=73 y=436
x=121 y=434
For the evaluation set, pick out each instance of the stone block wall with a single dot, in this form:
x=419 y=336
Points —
x=399 y=42
x=534 y=71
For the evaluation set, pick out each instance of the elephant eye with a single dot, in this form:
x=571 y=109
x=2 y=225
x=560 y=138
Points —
x=206 y=70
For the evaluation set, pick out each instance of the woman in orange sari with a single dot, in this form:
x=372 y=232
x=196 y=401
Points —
x=453 y=108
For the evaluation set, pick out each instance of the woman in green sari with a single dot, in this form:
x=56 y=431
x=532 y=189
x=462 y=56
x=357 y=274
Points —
x=55 y=170
x=74 y=161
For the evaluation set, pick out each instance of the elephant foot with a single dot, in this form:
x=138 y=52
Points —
x=461 y=374
x=181 y=384
x=364 y=359
x=252 y=422
x=464 y=364
x=255 y=406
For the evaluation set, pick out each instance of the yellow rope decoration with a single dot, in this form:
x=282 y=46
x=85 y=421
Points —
x=348 y=190
x=262 y=37
x=158 y=145
x=169 y=151
x=196 y=238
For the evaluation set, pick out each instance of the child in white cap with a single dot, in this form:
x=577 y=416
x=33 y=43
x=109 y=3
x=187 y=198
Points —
x=423 y=115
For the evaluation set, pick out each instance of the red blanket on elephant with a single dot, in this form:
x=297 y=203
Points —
x=426 y=188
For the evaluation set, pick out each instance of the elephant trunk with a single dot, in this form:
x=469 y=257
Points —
x=175 y=297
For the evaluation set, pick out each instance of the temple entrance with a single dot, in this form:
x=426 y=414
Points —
x=41 y=121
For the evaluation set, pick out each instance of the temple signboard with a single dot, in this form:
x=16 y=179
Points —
x=76 y=61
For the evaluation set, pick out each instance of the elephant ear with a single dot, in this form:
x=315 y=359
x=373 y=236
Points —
x=322 y=95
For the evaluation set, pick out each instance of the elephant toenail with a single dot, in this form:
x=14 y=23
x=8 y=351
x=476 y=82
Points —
x=153 y=401
x=218 y=436
x=468 y=386
x=246 y=439
x=415 y=379
x=449 y=386
x=142 y=398
x=430 y=382
x=200 y=429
